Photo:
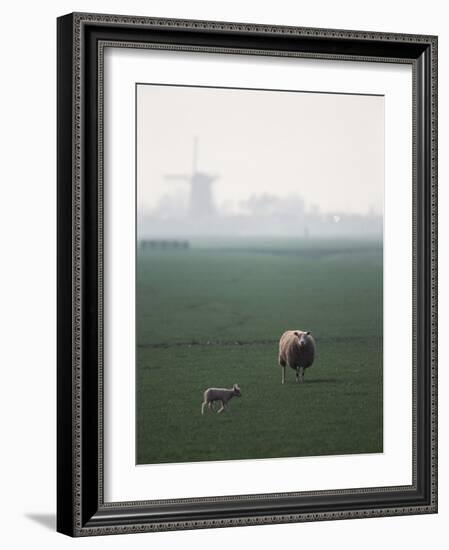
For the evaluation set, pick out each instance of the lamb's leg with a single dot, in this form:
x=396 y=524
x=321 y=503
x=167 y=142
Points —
x=202 y=406
x=301 y=375
x=222 y=407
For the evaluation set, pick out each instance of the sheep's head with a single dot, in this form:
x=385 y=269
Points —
x=237 y=390
x=303 y=337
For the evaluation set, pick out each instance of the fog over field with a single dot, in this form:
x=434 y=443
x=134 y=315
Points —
x=250 y=162
x=258 y=212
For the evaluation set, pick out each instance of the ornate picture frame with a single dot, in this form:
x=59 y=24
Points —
x=81 y=506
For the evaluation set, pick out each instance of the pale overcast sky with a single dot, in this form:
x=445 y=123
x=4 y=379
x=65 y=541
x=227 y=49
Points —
x=326 y=148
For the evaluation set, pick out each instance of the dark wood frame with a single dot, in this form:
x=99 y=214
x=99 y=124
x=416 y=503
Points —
x=81 y=509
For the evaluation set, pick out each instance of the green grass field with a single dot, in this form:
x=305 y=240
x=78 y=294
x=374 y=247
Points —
x=212 y=315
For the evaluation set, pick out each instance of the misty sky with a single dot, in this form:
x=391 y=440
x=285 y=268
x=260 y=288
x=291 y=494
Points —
x=326 y=148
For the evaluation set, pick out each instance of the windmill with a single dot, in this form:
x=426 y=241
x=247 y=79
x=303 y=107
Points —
x=201 y=204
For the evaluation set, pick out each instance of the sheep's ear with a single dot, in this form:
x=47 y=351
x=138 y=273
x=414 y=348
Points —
x=308 y=333
x=296 y=333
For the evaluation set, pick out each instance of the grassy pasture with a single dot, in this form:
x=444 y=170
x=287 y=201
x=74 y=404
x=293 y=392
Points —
x=212 y=316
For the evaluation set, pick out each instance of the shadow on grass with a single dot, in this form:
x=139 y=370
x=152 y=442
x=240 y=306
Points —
x=321 y=381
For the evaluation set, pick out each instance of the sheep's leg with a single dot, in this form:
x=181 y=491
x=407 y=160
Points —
x=300 y=375
x=202 y=406
x=222 y=407
x=282 y=364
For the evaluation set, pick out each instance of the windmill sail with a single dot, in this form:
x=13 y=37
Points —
x=201 y=203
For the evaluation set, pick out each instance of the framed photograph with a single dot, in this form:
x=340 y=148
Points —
x=247 y=280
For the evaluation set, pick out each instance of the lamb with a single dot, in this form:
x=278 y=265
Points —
x=297 y=350
x=219 y=394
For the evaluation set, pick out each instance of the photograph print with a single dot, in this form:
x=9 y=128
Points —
x=259 y=273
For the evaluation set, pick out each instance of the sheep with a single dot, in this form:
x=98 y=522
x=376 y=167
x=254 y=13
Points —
x=297 y=350
x=223 y=395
